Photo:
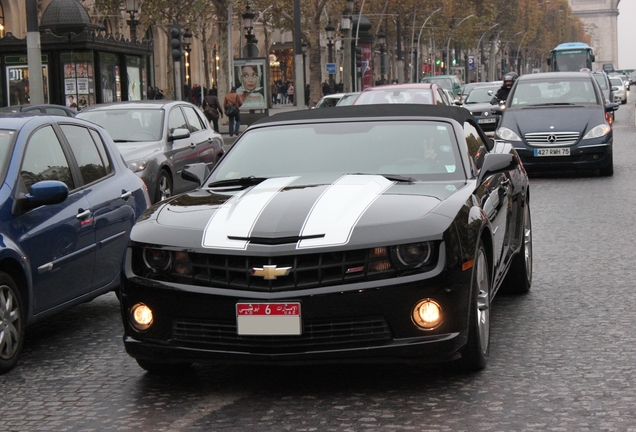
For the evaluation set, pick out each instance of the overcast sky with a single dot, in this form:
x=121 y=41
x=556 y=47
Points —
x=627 y=34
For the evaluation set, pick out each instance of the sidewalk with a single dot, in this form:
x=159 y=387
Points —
x=224 y=128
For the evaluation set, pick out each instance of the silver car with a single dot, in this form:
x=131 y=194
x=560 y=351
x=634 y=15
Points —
x=157 y=139
x=618 y=86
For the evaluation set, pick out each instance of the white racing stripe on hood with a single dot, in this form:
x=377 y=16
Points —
x=339 y=209
x=236 y=218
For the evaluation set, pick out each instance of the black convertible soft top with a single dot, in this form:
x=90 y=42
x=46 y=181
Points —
x=371 y=111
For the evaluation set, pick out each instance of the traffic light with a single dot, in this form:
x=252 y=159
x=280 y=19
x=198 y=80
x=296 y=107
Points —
x=438 y=62
x=176 y=42
x=359 y=57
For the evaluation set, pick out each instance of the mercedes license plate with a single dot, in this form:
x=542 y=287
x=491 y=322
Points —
x=488 y=120
x=552 y=152
x=268 y=319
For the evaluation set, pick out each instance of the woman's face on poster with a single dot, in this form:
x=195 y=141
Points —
x=249 y=77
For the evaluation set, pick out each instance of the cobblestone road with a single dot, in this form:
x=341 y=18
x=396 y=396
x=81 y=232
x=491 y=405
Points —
x=562 y=357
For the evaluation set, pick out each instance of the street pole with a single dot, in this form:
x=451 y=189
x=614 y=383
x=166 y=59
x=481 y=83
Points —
x=299 y=88
x=479 y=49
x=448 y=44
x=34 y=54
x=419 y=68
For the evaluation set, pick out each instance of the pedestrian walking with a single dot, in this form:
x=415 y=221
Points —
x=232 y=104
x=290 y=93
x=273 y=90
x=212 y=109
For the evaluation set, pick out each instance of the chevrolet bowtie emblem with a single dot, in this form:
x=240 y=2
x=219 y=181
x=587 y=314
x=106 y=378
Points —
x=270 y=272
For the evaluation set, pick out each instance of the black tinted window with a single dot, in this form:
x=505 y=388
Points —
x=45 y=160
x=85 y=151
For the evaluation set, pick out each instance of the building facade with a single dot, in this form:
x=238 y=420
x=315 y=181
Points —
x=600 y=19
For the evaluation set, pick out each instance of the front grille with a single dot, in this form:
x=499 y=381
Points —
x=550 y=139
x=223 y=335
x=306 y=271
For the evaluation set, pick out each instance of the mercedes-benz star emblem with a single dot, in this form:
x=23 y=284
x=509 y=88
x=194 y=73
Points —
x=270 y=272
x=552 y=138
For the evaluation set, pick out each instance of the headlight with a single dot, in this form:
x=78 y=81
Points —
x=412 y=255
x=507 y=135
x=138 y=165
x=140 y=317
x=157 y=260
x=598 y=131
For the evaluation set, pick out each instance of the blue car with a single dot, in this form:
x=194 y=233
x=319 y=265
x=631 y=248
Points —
x=67 y=205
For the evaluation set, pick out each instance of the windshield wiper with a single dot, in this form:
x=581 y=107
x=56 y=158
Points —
x=243 y=181
x=553 y=104
x=392 y=177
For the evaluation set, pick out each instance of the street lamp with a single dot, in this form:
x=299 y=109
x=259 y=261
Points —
x=479 y=50
x=418 y=42
x=448 y=60
x=506 y=53
x=381 y=40
x=132 y=7
x=187 y=47
x=250 y=50
x=346 y=56
x=330 y=30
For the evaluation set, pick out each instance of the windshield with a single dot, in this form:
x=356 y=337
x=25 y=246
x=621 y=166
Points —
x=570 y=60
x=442 y=82
x=128 y=125
x=6 y=146
x=554 y=91
x=480 y=95
x=392 y=95
x=418 y=149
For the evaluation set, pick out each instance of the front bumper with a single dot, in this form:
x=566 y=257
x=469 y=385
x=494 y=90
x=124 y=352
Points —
x=351 y=323
x=582 y=157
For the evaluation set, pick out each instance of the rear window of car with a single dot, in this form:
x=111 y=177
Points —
x=602 y=81
x=616 y=81
x=419 y=149
x=128 y=125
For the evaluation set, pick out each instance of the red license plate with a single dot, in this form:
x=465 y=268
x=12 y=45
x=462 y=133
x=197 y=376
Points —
x=268 y=318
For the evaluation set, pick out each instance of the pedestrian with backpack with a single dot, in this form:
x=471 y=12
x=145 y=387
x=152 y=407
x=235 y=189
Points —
x=232 y=104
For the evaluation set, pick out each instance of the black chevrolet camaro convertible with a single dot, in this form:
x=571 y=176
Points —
x=367 y=233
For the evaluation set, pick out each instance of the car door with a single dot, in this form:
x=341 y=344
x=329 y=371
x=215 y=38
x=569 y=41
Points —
x=111 y=200
x=207 y=149
x=58 y=238
x=496 y=195
x=180 y=152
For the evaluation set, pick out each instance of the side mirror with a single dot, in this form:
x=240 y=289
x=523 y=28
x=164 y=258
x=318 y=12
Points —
x=611 y=106
x=179 y=133
x=458 y=102
x=495 y=163
x=491 y=93
x=45 y=192
x=548 y=61
x=195 y=173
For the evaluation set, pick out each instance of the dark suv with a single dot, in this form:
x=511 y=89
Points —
x=559 y=121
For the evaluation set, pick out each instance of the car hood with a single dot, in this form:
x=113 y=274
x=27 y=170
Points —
x=138 y=150
x=576 y=118
x=295 y=213
x=479 y=107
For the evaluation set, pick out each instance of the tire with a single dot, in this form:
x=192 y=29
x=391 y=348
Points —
x=164 y=186
x=11 y=323
x=519 y=277
x=609 y=169
x=157 y=368
x=474 y=354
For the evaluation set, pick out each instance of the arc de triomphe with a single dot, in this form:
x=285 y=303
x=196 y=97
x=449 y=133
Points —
x=600 y=18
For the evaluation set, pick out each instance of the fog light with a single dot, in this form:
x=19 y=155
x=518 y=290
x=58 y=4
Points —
x=427 y=314
x=141 y=317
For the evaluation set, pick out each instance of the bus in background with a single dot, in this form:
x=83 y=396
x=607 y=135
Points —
x=571 y=57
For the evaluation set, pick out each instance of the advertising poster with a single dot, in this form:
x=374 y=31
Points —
x=250 y=78
x=78 y=78
x=18 y=82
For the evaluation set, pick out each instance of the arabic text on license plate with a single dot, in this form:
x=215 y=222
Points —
x=552 y=152
x=268 y=319
x=488 y=120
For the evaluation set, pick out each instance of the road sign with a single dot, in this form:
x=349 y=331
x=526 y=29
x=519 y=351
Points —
x=331 y=68
x=471 y=63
